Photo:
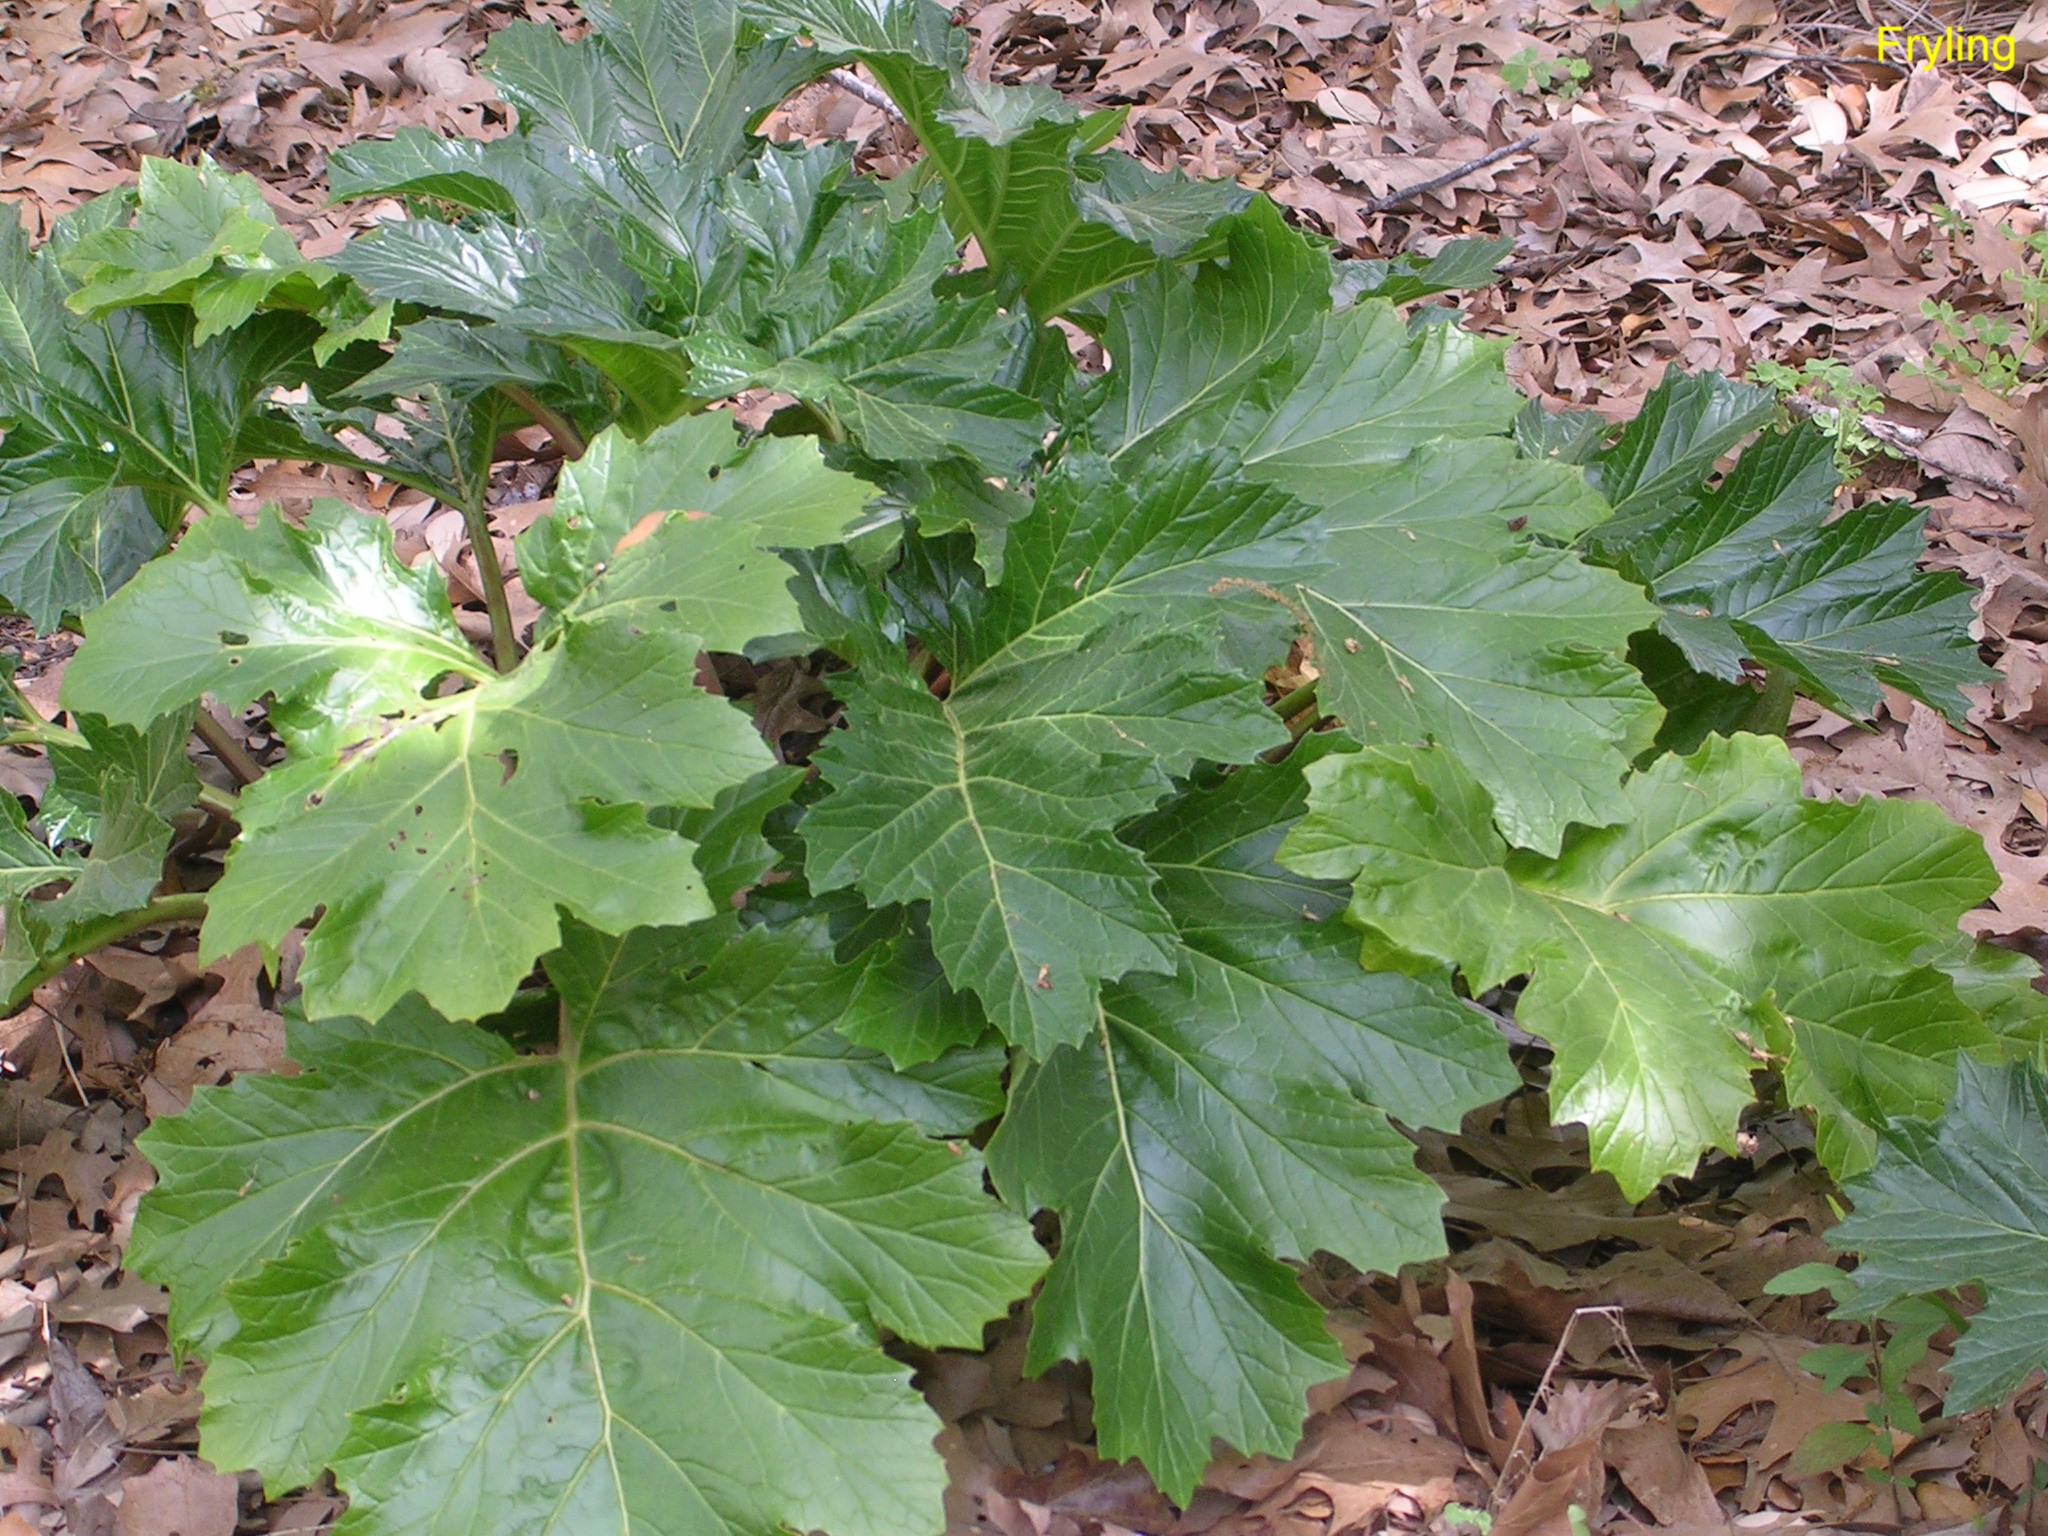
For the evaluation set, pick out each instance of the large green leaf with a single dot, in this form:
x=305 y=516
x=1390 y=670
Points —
x=1653 y=944
x=916 y=31
x=1227 y=1113
x=474 y=175
x=113 y=428
x=200 y=237
x=1459 y=264
x=1441 y=620
x=1671 y=446
x=439 y=833
x=1025 y=175
x=837 y=308
x=1368 y=390
x=632 y=1283
x=686 y=77
x=1074 y=690
x=558 y=280
x=1759 y=566
x=126 y=864
x=1964 y=1201
x=1440 y=616
x=1052 y=212
x=1190 y=350
x=677 y=531
x=1865 y=1048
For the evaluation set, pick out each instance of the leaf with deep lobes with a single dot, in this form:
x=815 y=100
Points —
x=470 y=1281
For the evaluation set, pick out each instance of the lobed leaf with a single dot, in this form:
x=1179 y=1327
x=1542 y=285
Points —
x=1653 y=945
x=1759 y=567
x=1076 y=687
x=473 y=1281
x=114 y=427
x=1221 y=1118
x=200 y=237
x=439 y=835
x=1963 y=1200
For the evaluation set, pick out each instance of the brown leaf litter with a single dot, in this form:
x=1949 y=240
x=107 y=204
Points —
x=1632 y=1376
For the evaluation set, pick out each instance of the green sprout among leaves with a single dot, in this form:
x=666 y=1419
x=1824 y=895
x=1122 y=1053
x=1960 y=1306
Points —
x=1562 y=77
x=1837 y=401
x=1992 y=350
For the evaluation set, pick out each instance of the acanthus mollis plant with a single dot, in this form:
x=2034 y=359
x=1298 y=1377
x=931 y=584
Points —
x=617 y=1242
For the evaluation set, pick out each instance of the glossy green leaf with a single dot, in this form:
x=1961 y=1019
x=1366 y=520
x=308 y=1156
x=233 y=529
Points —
x=1052 y=214
x=1651 y=944
x=470 y=174
x=905 y=1007
x=1441 y=620
x=439 y=833
x=1671 y=446
x=560 y=281
x=1866 y=1048
x=471 y=1281
x=1369 y=391
x=125 y=867
x=201 y=237
x=1222 y=1118
x=918 y=31
x=839 y=310
x=1193 y=349
x=1075 y=688
x=684 y=77
x=113 y=428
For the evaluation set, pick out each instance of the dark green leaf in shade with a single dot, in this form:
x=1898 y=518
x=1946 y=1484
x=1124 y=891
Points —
x=114 y=428
x=1760 y=567
x=1223 y=1118
x=1458 y=266
x=27 y=863
x=1959 y=1201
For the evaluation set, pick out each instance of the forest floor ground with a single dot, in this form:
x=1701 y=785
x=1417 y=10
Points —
x=1702 y=183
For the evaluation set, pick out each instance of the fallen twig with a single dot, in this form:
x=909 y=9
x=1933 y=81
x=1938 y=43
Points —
x=1382 y=204
x=853 y=85
x=1518 y=1460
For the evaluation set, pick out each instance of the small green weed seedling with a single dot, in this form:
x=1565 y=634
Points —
x=1836 y=399
x=1992 y=349
x=1563 y=77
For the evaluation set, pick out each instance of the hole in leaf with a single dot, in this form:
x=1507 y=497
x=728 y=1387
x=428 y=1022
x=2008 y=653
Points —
x=509 y=760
